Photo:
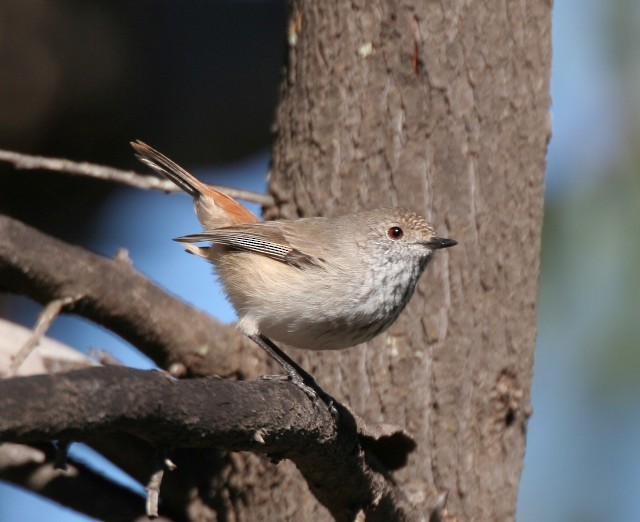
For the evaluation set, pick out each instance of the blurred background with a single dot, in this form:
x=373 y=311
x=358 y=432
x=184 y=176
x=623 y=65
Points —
x=81 y=79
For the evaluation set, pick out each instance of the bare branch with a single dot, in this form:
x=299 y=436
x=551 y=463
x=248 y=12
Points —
x=202 y=413
x=45 y=319
x=79 y=488
x=153 y=486
x=131 y=454
x=153 y=493
x=172 y=333
x=50 y=356
x=182 y=489
x=124 y=177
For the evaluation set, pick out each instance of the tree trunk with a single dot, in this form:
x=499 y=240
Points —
x=441 y=108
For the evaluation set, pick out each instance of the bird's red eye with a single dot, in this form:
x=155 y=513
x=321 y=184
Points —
x=395 y=233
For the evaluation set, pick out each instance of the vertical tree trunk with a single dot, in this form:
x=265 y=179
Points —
x=441 y=107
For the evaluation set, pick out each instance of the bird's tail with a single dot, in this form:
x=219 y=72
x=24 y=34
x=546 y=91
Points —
x=214 y=208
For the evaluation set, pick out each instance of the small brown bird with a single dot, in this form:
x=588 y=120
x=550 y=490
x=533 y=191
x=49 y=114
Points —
x=313 y=283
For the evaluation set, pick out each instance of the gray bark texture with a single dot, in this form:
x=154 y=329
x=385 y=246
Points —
x=443 y=108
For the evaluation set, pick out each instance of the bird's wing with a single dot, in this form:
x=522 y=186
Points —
x=265 y=238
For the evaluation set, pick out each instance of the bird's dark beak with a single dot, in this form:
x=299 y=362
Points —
x=436 y=243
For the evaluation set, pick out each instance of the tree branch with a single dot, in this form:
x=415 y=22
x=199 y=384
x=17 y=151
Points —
x=265 y=417
x=124 y=177
x=45 y=320
x=182 y=490
x=49 y=356
x=132 y=455
x=273 y=418
x=79 y=488
x=112 y=293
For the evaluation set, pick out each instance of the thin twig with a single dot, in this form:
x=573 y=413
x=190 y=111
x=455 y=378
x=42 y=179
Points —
x=169 y=464
x=29 y=467
x=125 y=177
x=153 y=486
x=46 y=317
x=153 y=493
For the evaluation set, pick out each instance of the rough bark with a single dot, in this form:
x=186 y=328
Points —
x=270 y=417
x=172 y=415
x=441 y=108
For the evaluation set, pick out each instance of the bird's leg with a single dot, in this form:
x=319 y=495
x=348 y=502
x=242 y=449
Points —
x=295 y=373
